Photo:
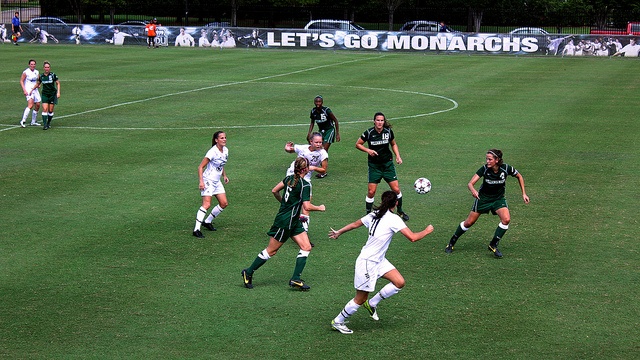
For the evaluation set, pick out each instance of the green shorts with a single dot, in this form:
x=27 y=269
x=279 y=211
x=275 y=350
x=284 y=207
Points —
x=50 y=99
x=386 y=171
x=283 y=234
x=483 y=206
x=328 y=135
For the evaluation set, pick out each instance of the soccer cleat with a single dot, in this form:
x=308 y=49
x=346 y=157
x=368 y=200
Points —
x=35 y=124
x=320 y=176
x=209 y=226
x=495 y=251
x=299 y=284
x=247 y=279
x=448 y=249
x=196 y=233
x=341 y=327
x=403 y=216
x=22 y=123
x=372 y=310
x=46 y=127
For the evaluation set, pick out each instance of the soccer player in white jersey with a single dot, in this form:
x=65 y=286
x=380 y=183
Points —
x=317 y=156
x=28 y=81
x=372 y=263
x=212 y=174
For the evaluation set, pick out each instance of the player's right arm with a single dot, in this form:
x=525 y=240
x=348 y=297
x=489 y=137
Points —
x=413 y=237
x=471 y=186
x=203 y=164
x=360 y=146
x=22 y=78
x=334 y=234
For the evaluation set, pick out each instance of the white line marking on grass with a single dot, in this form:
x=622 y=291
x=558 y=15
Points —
x=453 y=107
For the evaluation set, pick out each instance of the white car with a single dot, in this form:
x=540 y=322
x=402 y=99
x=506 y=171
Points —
x=325 y=24
x=529 y=31
x=421 y=26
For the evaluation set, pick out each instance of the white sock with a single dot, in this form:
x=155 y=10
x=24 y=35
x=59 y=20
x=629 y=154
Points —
x=384 y=293
x=348 y=310
x=199 y=217
x=34 y=117
x=214 y=213
x=25 y=114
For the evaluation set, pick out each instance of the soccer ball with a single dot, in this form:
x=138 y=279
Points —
x=422 y=185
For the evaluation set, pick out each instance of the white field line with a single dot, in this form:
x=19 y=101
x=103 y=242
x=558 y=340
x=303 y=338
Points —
x=453 y=102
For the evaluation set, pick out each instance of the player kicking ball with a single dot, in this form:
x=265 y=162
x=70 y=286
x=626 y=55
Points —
x=372 y=264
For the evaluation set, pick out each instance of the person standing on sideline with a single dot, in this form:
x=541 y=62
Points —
x=210 y=172
x=490 y=197
x=317 y=158
x=28 y=81
x=380 y=159
x=372 y=263
x=327 y=125
x=442 y=27
x=151 y=29
x=297 y=195
x=50 y=93
x=16 y=28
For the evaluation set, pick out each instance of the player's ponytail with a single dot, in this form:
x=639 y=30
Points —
x=299 y=166
x=388 y=202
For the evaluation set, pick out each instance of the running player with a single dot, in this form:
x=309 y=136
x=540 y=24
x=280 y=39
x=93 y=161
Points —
x=297 y=195
x=372 y=263
x=327 y=125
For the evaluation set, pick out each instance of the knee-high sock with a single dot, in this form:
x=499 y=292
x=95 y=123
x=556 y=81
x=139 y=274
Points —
x=384 y=293
x=301 y=261
x=200 y=217
x=500 y=231
x=260 y=260
x=399 y=206
x=25 y=114
x=459 y=231
x=369 y=204
x=347 y=311
x=214 y=213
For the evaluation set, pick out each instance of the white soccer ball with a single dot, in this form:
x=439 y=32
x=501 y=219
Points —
x=422 y=185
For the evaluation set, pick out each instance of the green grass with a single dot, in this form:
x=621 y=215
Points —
x=97 y=258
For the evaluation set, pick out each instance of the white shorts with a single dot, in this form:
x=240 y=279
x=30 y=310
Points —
x=35 y=96
x=368 y=272
x=212 y=188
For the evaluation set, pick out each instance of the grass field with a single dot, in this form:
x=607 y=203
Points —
x=97 y=258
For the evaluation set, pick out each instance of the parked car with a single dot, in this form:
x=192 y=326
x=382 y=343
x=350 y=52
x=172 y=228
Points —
x=42 y=21
x=538 y=33
x=421 y=26
x=325 y=24
x=529 y=31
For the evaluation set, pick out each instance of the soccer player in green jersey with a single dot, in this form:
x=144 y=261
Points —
x=490 y=198
x=50 y=93
x=327 y=125
x=297 y=193
x=381 y=141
